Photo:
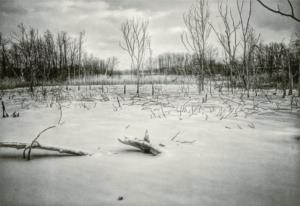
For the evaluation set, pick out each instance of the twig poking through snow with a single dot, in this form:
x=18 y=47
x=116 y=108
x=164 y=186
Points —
x=60 y=116
x=4 y=113
x=162 y=111
x=173 y=138
x=119 y=102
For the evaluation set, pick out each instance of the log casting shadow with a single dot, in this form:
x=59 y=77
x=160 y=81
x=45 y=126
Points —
x=35 y=156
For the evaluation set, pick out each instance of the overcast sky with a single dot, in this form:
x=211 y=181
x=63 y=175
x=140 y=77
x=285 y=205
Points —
x=101 y=20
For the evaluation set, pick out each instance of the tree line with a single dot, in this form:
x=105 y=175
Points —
x=273 y=65
x=36 y=58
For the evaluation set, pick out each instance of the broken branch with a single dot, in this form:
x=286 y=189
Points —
x=36 y=145
x=142 y=145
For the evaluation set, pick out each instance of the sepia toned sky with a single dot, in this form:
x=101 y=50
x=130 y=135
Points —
x=101 y=20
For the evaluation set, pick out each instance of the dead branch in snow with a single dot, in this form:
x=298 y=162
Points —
x=173 y=138
x=186 y=142
x=35 y=140
x=37 y=145
x=144 y=145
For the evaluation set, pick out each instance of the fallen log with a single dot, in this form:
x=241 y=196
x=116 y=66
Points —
x=143 y=145
x=36 y=145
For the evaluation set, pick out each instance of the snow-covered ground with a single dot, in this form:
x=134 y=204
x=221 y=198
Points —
x=229 y=150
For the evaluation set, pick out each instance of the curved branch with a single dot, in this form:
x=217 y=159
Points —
x=29 y=148
x=291 y=15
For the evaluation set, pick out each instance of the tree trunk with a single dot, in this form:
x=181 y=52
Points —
x=299 y=77
x=152 y=89
x=291 y=81
x=138 y=87
x=138 y=83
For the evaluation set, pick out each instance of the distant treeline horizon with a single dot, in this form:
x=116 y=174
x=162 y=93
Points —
x=34 y=58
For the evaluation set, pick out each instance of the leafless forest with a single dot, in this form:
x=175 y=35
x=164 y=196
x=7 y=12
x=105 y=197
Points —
x=217 y=124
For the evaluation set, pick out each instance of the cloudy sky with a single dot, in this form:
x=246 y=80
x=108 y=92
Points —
x=101 y=20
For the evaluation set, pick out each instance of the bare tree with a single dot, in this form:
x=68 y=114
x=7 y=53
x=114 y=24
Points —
x=3 y=55
x=150 y=56
x=198 y=31
x=290 y=73
x=65 y=44
x=73 y=56
x=50 y=53
x=60 y=43
x=249 y=41
x=211 y=54
x=295 y=47
x=135 y=40
x=228 y=39
x=279 y=11
x=150 y=65
x=111 y=64
x=252 y=44
x=80 y=43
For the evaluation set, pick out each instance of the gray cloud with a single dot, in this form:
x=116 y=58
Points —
x=153 y=5
x=10 y=7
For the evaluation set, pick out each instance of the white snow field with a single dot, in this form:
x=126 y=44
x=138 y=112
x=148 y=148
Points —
x=228 y=151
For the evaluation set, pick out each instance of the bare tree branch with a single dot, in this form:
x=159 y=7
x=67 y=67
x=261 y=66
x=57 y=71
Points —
x=195 y=38
x=278 y=11
x=135 y=38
